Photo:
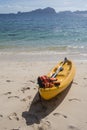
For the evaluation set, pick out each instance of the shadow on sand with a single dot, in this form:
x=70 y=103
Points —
x=40 y=108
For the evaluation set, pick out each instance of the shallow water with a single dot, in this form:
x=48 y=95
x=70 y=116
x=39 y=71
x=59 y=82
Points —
x=37 y=34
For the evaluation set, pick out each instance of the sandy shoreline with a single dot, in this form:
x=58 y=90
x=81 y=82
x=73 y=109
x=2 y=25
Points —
x=41 y=56
x=20 y=107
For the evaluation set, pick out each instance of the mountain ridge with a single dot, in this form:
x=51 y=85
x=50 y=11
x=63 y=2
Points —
x=49 y=11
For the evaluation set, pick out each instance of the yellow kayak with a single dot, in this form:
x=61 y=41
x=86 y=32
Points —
x=64 y=76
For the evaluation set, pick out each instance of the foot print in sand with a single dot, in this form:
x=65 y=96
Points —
x=35 y=88
x=1 y=115
x=58 y=114
x=75 y=83
x=8 y=80
x=44 y=125
x=85 y=78
x=32 y=81
x=74 y=99
x=26 y=99
x=24 y=89
x=73 y=127
x=13 y=116
x=8 y=93
x=13 y=97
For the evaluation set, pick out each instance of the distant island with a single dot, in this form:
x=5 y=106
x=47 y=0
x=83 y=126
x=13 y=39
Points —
x=49 y=11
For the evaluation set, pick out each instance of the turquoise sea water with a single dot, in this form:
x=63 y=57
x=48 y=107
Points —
x=43 y=33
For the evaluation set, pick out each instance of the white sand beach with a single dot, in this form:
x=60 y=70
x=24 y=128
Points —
x=20 y=106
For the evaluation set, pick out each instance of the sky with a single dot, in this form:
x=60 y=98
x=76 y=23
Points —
x=13 y=6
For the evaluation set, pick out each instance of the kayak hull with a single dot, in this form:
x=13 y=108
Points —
x=65 y=77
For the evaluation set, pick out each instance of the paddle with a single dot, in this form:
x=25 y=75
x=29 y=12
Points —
x=59 y=69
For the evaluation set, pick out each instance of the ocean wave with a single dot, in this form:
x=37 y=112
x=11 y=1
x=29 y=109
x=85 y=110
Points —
x=77 y=47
